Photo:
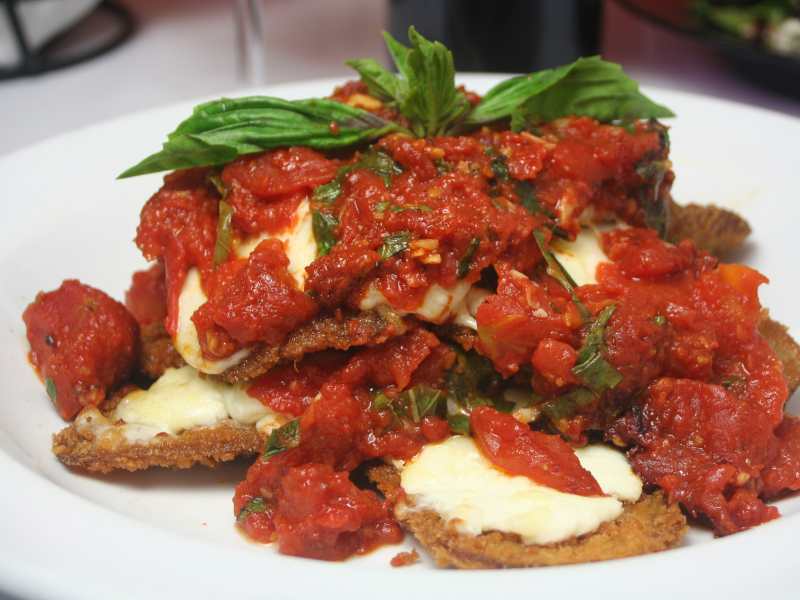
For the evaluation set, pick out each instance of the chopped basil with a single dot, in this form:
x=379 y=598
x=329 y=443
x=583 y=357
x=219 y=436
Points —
x=50 y=386
x=380 y=401
x=498 y=164
x=284 y=437
x=327 y=193
x=373 y=160
x=222 y=246
x=256 y=505
x=323 y=225
x=566 y=405
x=466 y=261
x=459 y=424
x=556 y=270
x=656 y=209
x=660 y=320
x=415 y=403
x=394 y=244
x=527 y=198
x=591 y=367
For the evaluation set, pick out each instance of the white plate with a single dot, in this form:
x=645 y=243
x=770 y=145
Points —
x=157 y=534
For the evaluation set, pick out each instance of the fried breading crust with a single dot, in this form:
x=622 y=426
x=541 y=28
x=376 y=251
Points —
x=93 y=443
x=717 y=230
x=367 y=328
x=784 y=347
x=157 y=352
x=649 y=525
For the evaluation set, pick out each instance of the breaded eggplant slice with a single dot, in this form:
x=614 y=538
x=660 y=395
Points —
x=157 y=352
x=649 y=525
x=95 y=443
x=367 y=328
x=711 y=228
x=785 y=348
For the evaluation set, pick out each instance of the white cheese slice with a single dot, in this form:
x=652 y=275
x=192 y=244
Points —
x=301 y=250
x=455 y=480
x=439 y=305
x=581 y=257
x=180 y=399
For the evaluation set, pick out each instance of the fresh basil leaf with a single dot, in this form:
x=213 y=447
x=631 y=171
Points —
x=459 y=424
x=256 y=505
x=223 y=244
x=424 y=400
x=394 y=244
x=566 y=405
x=323 y=225
x=283 y=438
x=50 y=387
x=221 y=130
x=591 y=367
x=399 y=54
x=381 y=83
x=466 y=261
x=556 y=270
x=432 y=102
x=589 y=87
x=503 y=99
x=327 y=193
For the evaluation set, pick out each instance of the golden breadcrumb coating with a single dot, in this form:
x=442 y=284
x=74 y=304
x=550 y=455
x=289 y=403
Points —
x=95 y=443
x=649 y=525
x=717 y=230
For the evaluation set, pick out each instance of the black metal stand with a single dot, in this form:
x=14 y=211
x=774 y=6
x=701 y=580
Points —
x=46 y=58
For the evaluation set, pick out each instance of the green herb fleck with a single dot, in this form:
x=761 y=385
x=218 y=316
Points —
x=284 y=437
x=327 y=193
x=459 y=424
x=394 y=244
x=591 y=367
x=466 y=260
x=50 y=386
x=566 y=405
x=256 y=505
x=323 y=225
x=660 y=320
x=222 y=246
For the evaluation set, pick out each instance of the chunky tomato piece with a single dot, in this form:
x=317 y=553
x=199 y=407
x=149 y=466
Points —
x=289 y=389
x=782 y=473
x=84 y=344
x=705 y=447
x=515 y=448
x=256 y=300
x=641 y=253
x=554 y=360
x=512 y=322
x=280 y=172
x=146 y=299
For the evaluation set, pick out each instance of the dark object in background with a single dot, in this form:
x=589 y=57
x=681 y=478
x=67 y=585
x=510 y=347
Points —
x=512 y=36
x=105 y=28
x=778 y=72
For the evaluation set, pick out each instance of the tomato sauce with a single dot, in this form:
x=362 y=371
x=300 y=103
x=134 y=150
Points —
x=84 y=344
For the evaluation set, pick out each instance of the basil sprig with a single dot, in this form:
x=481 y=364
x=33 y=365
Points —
x=588 y=87
x=425 y=92
x=221 y=130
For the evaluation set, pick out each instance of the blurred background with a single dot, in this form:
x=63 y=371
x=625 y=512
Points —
x=69 y=63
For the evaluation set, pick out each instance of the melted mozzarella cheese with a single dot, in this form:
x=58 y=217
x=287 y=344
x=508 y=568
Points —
x=581 y=257
x=455 y=480
x=440 y=304
x=180 y=399
x=301 y=250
